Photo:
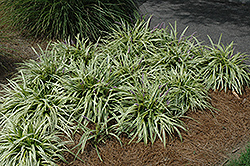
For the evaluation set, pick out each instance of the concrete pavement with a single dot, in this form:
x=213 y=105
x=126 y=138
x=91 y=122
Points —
x=205 y=17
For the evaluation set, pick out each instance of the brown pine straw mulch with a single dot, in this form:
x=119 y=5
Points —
x=212 y=140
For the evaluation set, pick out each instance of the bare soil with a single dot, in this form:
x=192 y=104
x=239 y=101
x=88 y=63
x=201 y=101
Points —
x=15 y=49
x=212 y=138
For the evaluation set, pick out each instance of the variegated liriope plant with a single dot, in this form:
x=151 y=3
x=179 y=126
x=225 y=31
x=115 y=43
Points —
x=139 y=81
x=223 y=69
x=160 y=54
x=30 y=143
x=36 y=94
x=145 y=110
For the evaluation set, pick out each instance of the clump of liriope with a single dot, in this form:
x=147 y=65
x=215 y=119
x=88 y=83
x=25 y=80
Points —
x=157 y=51
x=97 y=126
x=181 y=51
x=37 y=92
x=92 y=88
x=60 y=19
x=30 y=103
x=30 y=143
x=56 y=59
x=145 y=110
x=76 y=48
x=157 y=46
x=223 y=69
x=43 y=72
x=187 y=91
x=89 y=83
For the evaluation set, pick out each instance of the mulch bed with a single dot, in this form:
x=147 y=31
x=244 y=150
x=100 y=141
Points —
x=212 y=138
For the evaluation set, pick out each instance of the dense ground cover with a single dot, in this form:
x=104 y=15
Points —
x=140 y=82
x=135 y=83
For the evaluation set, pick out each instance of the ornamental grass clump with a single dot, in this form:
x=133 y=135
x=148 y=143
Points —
x=87 y=84
x=37 y=92
x=31 y=143
x=158 y=52
x=160 y=46
x=187 y=91
x=32 y=103
x=75 y=48
x=181 y=51
x=223 y=69
x=55 y=62
x=43 y=72
x=60 y=19
x=97 y=127
x=92 y=87
x=146 y=112
x=138 y=81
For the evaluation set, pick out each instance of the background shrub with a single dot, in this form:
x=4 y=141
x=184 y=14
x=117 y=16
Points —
x=60 y=19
